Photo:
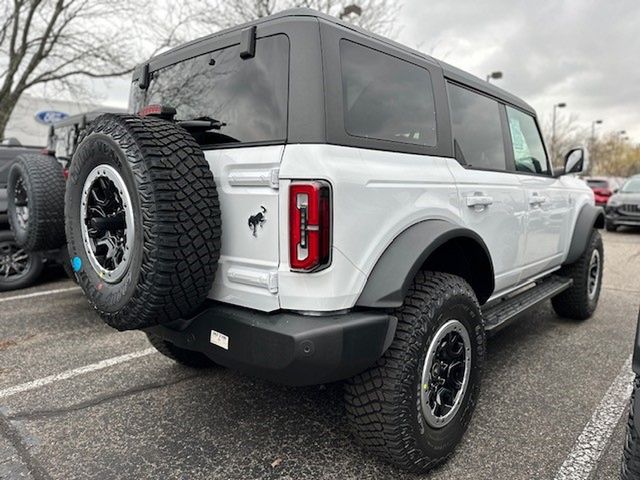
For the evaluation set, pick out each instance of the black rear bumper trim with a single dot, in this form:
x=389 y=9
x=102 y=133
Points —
x=286 y=347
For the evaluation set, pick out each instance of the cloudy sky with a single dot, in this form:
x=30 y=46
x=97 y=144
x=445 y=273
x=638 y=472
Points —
x=582 y=52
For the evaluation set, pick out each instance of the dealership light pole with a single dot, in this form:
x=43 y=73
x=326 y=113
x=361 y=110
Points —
x=592 y=149
x=497 y=75
x=593 y=129
x=553 y=130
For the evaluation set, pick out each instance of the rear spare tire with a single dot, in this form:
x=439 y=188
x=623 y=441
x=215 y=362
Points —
x=142 y=221
x=35 y=194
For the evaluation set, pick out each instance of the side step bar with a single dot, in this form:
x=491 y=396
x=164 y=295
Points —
x=500 y=314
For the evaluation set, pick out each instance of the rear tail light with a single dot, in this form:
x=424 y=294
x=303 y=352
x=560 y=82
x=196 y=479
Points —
x=309 y=225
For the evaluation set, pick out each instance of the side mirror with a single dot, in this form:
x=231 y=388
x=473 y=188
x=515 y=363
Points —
x=576 y=161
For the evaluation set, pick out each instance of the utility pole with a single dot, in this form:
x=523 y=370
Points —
x=553 y=130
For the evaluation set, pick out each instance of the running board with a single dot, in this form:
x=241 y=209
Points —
x=501 y=313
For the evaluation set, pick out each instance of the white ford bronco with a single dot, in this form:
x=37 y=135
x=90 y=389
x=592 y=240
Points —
x=307 y=202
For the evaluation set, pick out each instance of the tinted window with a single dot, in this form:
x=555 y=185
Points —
x=386 y=98
x=248 y=96
x=477 y=130
x=528 y=149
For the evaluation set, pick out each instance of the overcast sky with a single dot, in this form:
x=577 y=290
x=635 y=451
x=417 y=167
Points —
x=582 y=52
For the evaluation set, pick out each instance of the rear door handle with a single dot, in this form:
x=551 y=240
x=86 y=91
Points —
x=536 y=199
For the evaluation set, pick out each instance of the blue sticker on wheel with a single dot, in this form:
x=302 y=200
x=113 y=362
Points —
x=76 y=264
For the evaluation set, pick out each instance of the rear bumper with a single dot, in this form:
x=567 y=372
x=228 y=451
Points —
x=285 y=347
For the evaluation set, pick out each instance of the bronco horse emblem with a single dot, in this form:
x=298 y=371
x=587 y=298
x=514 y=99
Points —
x=257 y=219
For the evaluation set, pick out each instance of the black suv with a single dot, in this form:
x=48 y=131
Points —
x=623 y=208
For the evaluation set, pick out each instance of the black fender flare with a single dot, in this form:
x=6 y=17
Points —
x=391 y=277
x=590 y=217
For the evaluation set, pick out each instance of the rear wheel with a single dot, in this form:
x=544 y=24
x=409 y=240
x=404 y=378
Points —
x=18 y=268
x=183 y=356
x=580 y=300
x=414 y=405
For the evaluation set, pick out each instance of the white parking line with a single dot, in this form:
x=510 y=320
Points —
x=41 y=382
x=38 y=294
x=595 y=436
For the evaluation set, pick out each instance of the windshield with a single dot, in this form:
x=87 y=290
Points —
x=632 y=186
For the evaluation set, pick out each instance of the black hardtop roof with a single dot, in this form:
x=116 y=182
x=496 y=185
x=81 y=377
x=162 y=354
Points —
x=453 y=73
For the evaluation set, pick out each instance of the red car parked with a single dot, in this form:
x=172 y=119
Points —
x=602 y=188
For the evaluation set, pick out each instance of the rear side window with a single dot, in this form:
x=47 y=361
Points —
x=528 y=149
x=477 y=130
x=386 y=98
x=247 y=97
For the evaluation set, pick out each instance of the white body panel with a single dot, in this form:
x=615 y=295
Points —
x=376 y=196
x=501 y=224
x=248 y=266
x=547 y=223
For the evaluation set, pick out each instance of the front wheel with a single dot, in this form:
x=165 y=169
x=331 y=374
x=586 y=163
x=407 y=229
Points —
x=610 y=226
x=414 y=405
x=579 y=301
x=18 y=268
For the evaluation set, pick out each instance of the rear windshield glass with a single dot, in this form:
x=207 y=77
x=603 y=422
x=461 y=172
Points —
x=386 y=98
x=597 y=183
x=245 y=100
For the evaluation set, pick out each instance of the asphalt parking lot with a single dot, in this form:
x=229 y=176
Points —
x=131 y=413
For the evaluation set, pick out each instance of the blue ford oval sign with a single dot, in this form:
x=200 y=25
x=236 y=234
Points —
x=47 y=117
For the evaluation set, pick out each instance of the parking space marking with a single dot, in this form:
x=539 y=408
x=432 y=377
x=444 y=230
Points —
x=38 y=294
x=41 y=382
x=595 y=437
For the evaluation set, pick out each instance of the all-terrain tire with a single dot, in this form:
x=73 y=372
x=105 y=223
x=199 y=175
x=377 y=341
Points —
x=383 y=404
x=575 y=302
x=631 y=454
x=34 y=264
x=39 y=179
x=176 y=227
x=65 y=261
x=183 y=356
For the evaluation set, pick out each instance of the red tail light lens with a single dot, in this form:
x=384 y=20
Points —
x=309 y=226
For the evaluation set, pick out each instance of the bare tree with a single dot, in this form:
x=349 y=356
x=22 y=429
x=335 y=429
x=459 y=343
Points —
x=615 y=156
x=62 y=41
x=568 y=134
x=375 y=15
